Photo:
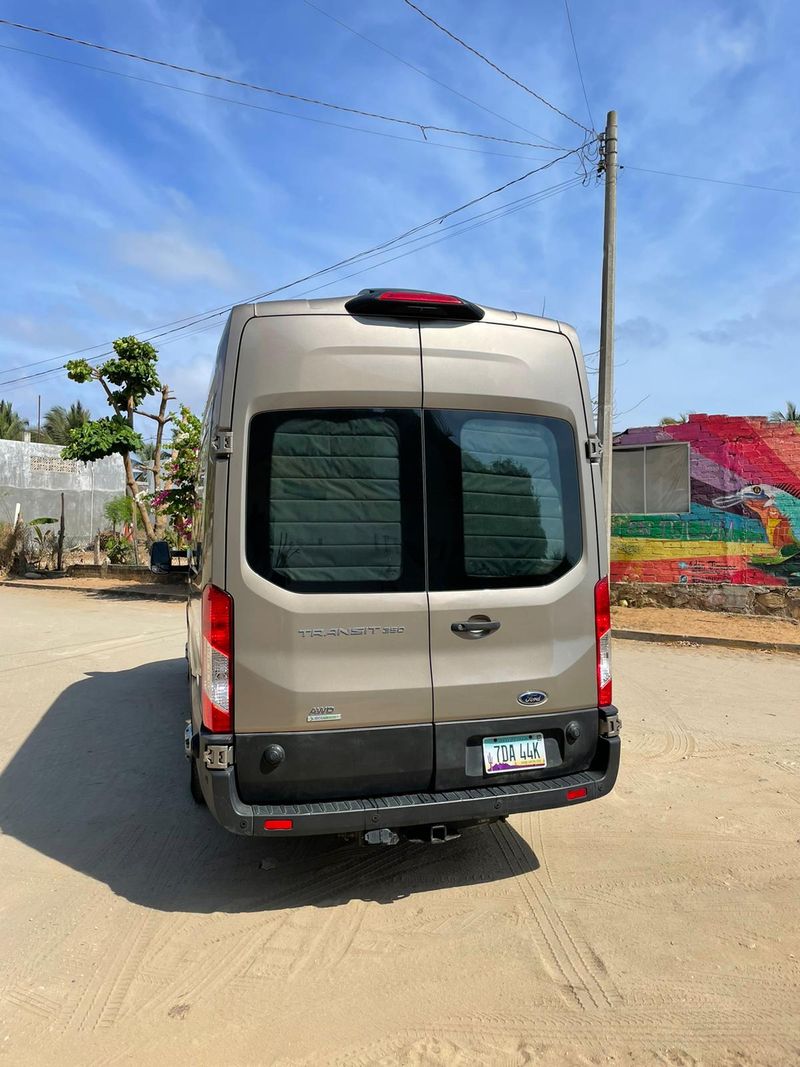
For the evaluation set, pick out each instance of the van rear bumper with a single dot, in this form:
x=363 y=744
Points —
x=414 y=809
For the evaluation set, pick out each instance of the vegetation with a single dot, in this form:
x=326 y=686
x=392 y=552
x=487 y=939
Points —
x=668 y=420
x=791 y=414
x=12 y=424
x=119 y=511
x=58 y=422
x=127 y=379
x=118 y=550
x=178 y=501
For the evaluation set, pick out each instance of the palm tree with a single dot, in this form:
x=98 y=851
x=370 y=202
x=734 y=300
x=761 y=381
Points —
x=12 y=424
x=792 y=414
x=668 y=420
x=58 y=422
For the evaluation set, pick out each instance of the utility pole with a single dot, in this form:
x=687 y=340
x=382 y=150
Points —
x=605 y=389
x=39 y=419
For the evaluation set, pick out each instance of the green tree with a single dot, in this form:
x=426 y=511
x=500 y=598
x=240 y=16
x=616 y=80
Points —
x=791 y=414
x=58 y=422
x=119 y=511
x=12 y=424
x=178 y=499
x=127 y=379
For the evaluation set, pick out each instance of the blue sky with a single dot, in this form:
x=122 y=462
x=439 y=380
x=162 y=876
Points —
x=126 y=205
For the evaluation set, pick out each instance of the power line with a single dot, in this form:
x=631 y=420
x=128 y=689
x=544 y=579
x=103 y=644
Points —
x=716 y=181
x=423 y=127
x=420 y=70
x=271 y=110
x=213 y=313
x=499 y=70
x=483 y=219
x=578 y=62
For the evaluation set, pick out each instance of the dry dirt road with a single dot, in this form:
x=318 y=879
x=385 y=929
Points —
x=657 y=926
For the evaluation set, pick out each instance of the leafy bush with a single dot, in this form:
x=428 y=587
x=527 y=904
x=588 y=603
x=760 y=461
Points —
x=118 y=550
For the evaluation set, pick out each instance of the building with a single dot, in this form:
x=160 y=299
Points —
x=712 y=500
x=33 y=476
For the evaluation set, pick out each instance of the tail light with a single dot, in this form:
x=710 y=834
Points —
x=413 y=303
x=602 y=628
x=217 y=670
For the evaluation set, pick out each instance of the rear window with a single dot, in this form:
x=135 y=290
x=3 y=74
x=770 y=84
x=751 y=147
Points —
x=334 y=500
x=503 y=499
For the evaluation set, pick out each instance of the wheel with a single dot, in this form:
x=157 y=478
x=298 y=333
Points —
x=194 y=782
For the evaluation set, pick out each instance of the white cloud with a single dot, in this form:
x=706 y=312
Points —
x=172 y=256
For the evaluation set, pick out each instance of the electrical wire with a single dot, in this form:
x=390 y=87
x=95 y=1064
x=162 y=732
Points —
x=424 y=73
x=271 y=110
x=423 y=127
x=401 y=240
x=495 y=67
x=578 y=63
x=716 y=181
x=461 y=228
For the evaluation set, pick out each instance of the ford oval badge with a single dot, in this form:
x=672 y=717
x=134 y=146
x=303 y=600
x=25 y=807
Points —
x=532 y=698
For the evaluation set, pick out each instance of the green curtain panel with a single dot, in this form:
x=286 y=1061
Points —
x=513 y=516
x=335 y=500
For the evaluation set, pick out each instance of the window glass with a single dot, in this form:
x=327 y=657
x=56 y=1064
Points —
x=651 y=480
x=503 y=499
x=334 y=500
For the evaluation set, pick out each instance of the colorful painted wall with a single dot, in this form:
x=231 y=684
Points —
x=744 y=524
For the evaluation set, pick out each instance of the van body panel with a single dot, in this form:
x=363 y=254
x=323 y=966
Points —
x=323 y=661
x=545 y=641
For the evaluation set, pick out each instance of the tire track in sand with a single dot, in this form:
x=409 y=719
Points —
x=570 y=961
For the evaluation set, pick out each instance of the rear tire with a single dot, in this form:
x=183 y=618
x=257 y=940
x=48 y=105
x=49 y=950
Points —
x=194 y=782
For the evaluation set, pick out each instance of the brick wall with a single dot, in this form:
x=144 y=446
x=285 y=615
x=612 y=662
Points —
x=743 y=526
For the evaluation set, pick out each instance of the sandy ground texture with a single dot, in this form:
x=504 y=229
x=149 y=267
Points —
x=658 y=926
x=695 y=623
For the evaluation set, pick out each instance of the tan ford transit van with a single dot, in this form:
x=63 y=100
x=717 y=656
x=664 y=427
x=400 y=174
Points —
x=399 y=621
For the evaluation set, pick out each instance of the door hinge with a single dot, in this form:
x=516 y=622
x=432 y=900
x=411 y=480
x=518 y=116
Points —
x=594 y=449
x=218 y=757
x=610 y=725
x=222 y=443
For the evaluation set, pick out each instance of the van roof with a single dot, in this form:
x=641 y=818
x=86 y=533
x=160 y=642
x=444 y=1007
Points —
x=336 y=306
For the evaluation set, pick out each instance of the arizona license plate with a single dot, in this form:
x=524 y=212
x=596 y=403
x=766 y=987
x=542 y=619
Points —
x=518 y=752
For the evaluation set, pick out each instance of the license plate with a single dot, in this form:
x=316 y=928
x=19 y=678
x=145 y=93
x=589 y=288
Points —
x=518 y=752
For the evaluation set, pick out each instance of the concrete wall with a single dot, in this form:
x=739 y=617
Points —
x=34 y=476
x=743 y=526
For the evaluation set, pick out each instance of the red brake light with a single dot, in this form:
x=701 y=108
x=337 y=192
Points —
x=425 y=298
x=602 y=625
x=577 y=794
x=412 y=304
x=216 y=672
x=278 y=824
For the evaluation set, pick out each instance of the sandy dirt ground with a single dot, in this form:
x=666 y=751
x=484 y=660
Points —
x=707 y=624
x=658 y=926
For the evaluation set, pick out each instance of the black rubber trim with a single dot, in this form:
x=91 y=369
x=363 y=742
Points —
x=415 y=809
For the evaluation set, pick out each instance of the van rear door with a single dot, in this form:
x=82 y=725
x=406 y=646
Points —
x=513 y=558
x=325 y=561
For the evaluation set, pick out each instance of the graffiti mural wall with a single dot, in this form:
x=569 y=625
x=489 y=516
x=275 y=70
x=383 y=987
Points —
x=743 y=526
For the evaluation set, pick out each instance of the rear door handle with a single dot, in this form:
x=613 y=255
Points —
x=475 y=627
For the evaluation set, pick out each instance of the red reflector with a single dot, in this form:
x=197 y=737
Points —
x=426 y=298
x=577 y=794
x=278 y=824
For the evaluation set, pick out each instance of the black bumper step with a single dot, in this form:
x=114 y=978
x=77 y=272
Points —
x=414 y=809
